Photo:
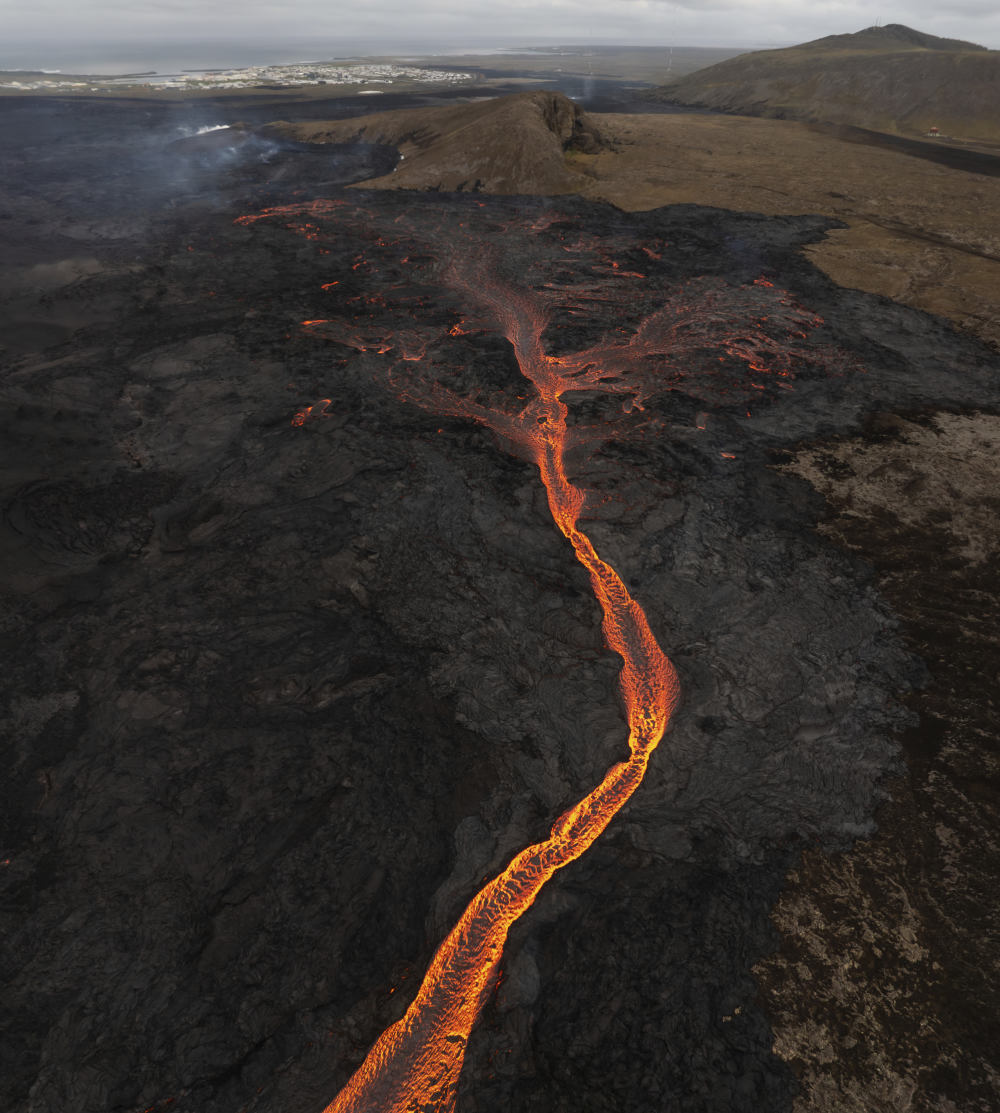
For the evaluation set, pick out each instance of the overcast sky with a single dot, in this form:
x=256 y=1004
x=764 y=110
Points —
x=477 y=22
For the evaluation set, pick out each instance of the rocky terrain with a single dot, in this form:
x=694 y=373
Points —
x=887 y=981
x=280 y=693
x=889 y=78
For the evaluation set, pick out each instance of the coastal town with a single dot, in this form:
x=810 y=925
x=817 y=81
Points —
x=377 y=76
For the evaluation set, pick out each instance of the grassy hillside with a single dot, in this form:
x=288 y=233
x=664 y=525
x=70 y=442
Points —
x=891 y=79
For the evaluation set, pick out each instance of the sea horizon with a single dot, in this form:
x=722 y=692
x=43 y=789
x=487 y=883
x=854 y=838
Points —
x=163 y=58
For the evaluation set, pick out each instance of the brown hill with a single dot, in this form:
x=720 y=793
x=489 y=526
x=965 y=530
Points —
x=892 y=79
x=514 y=144
x=894 y=36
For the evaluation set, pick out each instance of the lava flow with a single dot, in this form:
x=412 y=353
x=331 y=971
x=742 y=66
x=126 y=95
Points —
x=415 y=1064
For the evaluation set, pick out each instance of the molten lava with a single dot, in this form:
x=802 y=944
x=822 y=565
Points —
x=415 y=1064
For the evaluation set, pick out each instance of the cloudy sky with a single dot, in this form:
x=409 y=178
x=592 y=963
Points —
x=472 y=23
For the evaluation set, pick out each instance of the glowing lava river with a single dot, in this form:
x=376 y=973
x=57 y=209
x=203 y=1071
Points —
x=415 y=1064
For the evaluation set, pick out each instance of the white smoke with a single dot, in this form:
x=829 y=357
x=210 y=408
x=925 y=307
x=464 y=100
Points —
x=188 y=132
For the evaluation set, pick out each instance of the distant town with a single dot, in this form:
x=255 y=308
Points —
x=374 y=74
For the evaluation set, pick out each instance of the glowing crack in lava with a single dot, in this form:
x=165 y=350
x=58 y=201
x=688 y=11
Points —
x=415 y=1064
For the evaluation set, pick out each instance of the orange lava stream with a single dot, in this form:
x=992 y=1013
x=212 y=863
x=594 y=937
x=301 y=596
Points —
x=415 y=1064
x=712 y=341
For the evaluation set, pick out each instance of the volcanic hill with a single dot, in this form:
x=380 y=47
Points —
x=514 y=144
x=892 y=79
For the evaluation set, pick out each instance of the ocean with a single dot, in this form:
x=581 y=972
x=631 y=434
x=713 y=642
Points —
x=164 y=57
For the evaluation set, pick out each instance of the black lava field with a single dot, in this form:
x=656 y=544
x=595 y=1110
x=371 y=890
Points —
x=294 y=661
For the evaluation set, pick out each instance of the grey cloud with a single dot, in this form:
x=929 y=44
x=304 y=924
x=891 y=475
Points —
x=729 y=22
